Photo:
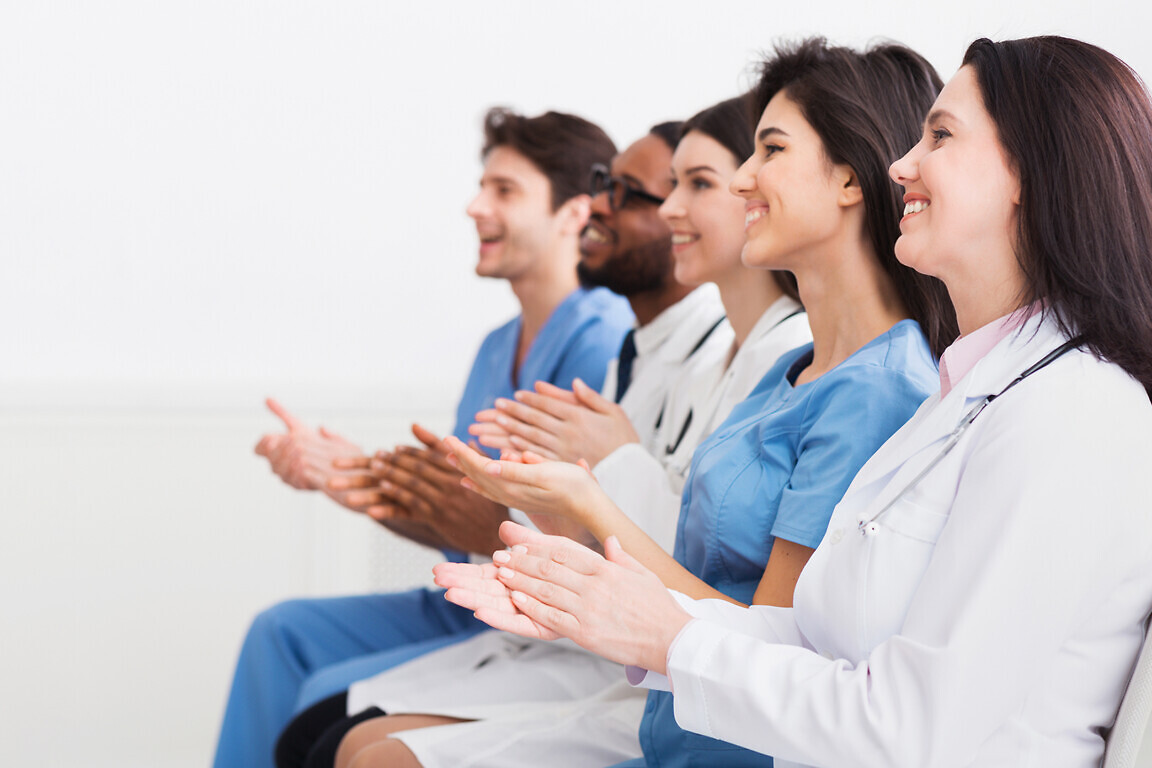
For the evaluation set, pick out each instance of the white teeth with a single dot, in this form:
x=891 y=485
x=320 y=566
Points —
x=915 y=206
x=753 y=216
x=683 y=239
x=595 y=235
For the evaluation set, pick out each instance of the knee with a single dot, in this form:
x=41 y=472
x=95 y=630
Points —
x=384 y=753
x=281 y=619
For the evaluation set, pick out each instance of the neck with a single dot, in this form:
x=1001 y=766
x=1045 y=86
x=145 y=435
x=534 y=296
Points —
x=850 y=301
x=541 y=290
x=989 y=303
x=648 y=304
x=747 y=294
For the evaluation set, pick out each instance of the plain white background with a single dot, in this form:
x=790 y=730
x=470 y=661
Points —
x=202 y=203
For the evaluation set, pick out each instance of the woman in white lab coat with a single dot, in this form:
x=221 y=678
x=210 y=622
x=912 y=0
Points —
x=980 y=596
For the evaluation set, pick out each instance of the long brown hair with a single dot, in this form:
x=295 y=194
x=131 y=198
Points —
x=1076 y=124
x=868 y=108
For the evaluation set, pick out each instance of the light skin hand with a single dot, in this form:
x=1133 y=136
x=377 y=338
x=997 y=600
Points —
x=303 y=456
x=611 y=605
x=476 y=588
x=544 y=487
x=556 y=424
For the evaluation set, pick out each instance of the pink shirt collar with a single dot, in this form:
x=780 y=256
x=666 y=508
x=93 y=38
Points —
x=966 y=351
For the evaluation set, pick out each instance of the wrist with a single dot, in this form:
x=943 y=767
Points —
x=665 y=640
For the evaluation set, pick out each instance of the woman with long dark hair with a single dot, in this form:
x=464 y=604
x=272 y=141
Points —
x=819 y=203
x=981 y=594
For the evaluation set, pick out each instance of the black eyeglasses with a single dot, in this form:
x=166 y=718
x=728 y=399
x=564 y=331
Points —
x=618 y=189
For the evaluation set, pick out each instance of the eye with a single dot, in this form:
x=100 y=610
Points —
x=771 y=149
x=939 y=134
x=700 y=184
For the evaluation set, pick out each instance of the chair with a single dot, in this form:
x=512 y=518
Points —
x=1122 y=746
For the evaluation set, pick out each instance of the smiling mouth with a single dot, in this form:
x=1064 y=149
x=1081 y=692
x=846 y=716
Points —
x=753 y=216
x=596 y=235
x=915 y=206
x=684 y=239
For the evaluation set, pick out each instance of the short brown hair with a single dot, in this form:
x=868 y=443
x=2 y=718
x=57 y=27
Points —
x=563 y=147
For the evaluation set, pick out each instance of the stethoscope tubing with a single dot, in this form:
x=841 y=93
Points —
x=869 y=526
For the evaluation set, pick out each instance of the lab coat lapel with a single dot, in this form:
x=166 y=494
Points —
x=898 y=460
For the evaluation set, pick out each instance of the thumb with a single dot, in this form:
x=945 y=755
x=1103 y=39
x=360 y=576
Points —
x=427 y=437
x=590 y=398
x=614 y=553
x=282 y=413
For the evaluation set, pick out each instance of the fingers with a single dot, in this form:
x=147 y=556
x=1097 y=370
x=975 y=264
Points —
x=614 y=553
x=555 y=407
x=282 y=413
x=268 y=444
x=427 y=437
x=469 y=461
x=555 y=392
x=382 y=512
x=526 y=421
x=589 y=397
x=431 y=465
x=520 y=445
x=348 y=482
x=549 y=621
x=352 y=462
x=530 y=548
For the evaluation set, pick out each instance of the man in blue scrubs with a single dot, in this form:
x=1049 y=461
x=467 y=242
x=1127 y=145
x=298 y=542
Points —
x=529 y=213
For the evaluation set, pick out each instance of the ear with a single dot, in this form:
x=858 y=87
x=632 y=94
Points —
x=850 y=192
x=573 y=214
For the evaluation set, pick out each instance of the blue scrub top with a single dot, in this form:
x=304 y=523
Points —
x=776 y=467
x=580 y=337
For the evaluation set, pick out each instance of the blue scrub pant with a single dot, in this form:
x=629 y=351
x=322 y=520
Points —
x=300 y=651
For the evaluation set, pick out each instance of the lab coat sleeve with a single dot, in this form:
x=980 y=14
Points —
x=639 y=484
x=770 y=623
x=1049 y=521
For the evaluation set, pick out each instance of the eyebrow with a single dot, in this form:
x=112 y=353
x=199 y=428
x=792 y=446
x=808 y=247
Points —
x=698 y=168
x=770 y=131
x=499 y=180
x=937 y=115
x=633 y=180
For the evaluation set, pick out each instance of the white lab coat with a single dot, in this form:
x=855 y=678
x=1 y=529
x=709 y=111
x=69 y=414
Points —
x=534 y=697
x=995 y=615
x=646 y=482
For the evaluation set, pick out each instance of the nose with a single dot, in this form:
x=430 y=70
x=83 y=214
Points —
x=744 y=182
x=601 y=204
x=672 y=208
x=478 y=208
x=906 y=170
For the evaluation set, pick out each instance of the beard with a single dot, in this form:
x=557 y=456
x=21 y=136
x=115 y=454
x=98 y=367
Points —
x=646 y=267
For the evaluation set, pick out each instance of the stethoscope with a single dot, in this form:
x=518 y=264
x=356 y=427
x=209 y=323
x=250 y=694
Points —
x=869 y=527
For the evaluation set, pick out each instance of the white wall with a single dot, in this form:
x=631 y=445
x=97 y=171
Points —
x=205 y=202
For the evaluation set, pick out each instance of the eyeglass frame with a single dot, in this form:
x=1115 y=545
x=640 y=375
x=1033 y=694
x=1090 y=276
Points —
x=602 y=180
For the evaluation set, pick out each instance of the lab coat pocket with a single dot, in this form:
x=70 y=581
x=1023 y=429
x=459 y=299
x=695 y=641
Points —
x=915 y=521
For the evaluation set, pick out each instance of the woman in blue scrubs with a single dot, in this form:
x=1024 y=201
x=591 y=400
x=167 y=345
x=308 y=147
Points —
x=818 y=203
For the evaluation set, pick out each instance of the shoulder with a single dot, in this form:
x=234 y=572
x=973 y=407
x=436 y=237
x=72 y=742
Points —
x=601 y=305
x=896 y=364
x=502 y=333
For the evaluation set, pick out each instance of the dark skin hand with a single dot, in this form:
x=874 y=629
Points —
x=417 y=494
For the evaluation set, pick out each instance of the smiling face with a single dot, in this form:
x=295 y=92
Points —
x=961 y=200
x=792 y=191
x=629 y=251
x=513 y=215
x=705 y=217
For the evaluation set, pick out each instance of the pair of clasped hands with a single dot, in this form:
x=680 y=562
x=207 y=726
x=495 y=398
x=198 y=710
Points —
x=543 y=586
x=550 y=586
